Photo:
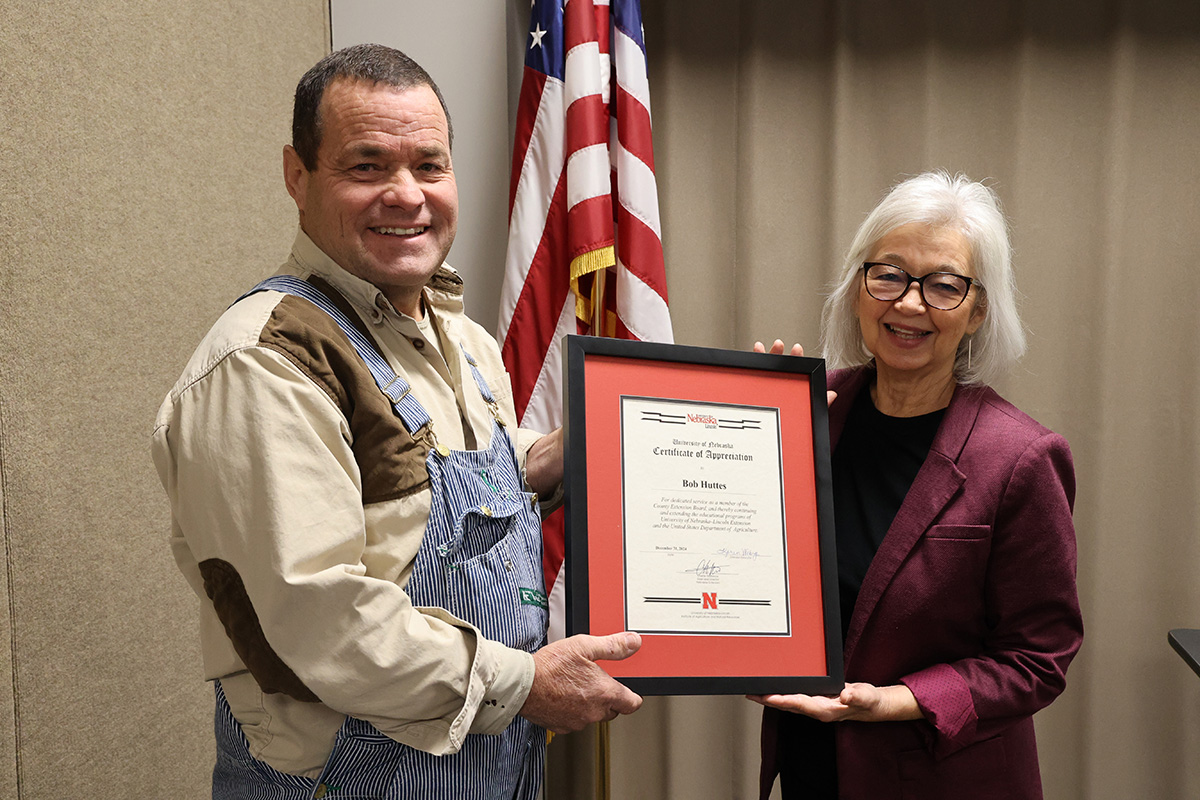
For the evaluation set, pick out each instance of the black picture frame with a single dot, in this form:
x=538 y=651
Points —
x=664 y=665
x=1186 y=642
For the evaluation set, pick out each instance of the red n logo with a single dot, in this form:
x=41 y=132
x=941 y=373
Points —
x=709 y=600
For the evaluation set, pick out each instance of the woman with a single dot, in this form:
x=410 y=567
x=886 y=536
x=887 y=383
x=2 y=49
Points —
x=956 y=550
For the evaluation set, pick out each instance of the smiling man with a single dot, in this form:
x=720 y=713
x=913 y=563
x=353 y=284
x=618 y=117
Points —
x=378 y=196
x=351 y=498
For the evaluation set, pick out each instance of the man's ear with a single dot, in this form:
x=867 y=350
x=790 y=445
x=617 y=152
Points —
x=295 y=175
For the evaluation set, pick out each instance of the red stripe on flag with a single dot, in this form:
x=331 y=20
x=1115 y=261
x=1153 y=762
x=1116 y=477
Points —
x=527 y=108
x=589 y=225
x=535 y=317
x=582 y=23
x=554 y=546
x=587 y=123
x=641 y=252
x=633 y=127
x=601 y=14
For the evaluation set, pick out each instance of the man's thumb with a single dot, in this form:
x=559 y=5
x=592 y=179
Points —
x=618 y=646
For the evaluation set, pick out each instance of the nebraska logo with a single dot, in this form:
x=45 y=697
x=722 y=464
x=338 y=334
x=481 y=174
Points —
x=708 y=600
x=703 y=419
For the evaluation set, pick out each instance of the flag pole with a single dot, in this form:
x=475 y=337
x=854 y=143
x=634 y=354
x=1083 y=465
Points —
x=599 y=316
x=603 y=772
x=603 y=746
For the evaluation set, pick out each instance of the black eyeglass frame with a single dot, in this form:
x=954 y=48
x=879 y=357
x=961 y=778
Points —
x=920 y=284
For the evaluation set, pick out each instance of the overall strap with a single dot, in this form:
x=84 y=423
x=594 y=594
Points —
x=484 y=389
x=411 y=413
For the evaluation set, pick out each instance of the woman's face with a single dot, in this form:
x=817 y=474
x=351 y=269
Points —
x=908 y=338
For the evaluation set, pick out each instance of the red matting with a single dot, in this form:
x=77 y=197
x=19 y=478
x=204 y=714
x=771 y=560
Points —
x=702 y=655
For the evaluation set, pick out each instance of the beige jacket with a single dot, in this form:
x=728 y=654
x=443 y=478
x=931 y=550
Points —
x=298 y=504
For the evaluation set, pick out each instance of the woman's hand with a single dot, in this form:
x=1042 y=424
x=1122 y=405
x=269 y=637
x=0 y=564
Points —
x=777 y=348
x=858 y=702
x=797 y=350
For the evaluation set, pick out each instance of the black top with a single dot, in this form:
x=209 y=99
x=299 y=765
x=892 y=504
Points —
x=875 y=463
x=876 y=460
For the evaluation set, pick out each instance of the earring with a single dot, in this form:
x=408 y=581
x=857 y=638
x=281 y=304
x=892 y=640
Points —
x=969 y=340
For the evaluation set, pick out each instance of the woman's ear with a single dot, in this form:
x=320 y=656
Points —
x=978 y=314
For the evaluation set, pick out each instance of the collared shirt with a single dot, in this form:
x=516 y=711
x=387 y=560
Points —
x=270 y=480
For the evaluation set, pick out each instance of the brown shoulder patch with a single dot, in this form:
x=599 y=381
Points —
x=446 y=281
x=391 y=462
x=228 y=594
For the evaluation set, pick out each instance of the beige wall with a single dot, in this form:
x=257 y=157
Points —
x=139 y=185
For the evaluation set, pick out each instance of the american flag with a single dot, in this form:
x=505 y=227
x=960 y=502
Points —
x=584 y=240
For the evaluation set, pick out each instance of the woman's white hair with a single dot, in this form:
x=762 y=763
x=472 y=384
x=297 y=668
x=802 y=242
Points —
x=937 y=199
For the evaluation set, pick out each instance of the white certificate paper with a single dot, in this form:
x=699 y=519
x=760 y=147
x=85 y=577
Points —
x=704 y=535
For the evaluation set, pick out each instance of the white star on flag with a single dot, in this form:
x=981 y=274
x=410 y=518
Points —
x=537 y=33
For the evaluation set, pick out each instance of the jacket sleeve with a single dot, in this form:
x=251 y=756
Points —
x=1033 y=625
x=267 y=500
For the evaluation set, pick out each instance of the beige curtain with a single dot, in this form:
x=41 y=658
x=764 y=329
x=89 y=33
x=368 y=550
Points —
x=778 y=124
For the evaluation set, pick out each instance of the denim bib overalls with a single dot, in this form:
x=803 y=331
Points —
x=481 y=560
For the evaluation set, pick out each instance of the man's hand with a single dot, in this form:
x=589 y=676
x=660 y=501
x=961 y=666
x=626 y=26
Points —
x=570 y=692
x=544 y=463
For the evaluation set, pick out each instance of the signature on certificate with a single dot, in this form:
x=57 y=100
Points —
x=743 y=552
x=706 y=568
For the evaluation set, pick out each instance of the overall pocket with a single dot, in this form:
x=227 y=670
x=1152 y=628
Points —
x=502 y=592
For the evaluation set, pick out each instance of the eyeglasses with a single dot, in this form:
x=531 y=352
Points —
x=941 y=290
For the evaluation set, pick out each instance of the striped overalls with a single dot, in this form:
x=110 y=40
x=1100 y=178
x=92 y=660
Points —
x=481 y=548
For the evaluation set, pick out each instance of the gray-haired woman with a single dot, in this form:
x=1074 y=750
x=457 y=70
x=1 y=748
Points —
x=956 y=548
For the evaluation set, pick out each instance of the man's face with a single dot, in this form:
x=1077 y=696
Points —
x=382 y=201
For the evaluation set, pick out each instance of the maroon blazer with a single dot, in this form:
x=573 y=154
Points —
x=970 y=602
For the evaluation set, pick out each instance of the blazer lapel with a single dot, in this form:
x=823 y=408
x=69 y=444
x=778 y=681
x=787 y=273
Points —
x=937 y=482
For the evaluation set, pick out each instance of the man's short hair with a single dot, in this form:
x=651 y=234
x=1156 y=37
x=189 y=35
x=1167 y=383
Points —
x=371 y=63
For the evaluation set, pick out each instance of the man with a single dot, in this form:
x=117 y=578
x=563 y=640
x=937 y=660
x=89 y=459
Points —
x=372 y=606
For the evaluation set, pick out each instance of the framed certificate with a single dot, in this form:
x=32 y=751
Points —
x=699 y=513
